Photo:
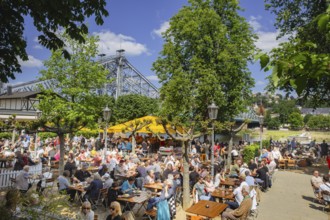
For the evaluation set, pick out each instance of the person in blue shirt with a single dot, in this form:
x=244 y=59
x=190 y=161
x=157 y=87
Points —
x=128 y=146
x=128 y=186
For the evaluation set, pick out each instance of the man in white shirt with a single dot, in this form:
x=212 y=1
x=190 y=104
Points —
x=107 y=181
x=316 y=181
x=325 y=187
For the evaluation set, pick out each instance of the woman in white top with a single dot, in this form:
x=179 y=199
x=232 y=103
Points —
x=150 y=178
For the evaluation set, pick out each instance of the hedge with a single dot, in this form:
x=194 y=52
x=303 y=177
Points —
x=7 y=135
x=250 y=152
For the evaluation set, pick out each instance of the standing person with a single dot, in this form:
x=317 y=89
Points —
x=86 y=213
x=115 y=211
x=22 y=182
x=324 y=150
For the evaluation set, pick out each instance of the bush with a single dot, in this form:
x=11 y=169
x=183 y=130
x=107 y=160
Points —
x=7 y=135
x=250 y=152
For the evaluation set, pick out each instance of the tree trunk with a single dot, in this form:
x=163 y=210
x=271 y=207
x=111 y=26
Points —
x=186 y=188
x=230 y=148
x=133 y=144
x=13 y=137
x=62 y=153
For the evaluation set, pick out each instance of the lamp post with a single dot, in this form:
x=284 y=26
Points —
x=39 y=113
x=261 y=122
x=213 y=113
x=106 y=116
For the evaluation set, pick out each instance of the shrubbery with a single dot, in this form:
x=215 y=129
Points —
x=44 y=135
x=7 y=135
x=250 y=152
x=88 y=133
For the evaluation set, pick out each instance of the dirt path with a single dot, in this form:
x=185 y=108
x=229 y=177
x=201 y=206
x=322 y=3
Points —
x=291 y=198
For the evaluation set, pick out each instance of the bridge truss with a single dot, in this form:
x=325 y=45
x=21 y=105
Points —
x=126 y=79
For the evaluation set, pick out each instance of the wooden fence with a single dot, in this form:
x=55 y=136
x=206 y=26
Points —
x=6 y=174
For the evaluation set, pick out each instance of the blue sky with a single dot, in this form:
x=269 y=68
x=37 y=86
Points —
x=136 y=26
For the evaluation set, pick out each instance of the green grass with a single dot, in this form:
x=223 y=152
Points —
x=277 y=135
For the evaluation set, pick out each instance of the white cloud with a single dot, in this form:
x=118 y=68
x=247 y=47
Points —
x=254 y=22
x=163 y=27
x=38 y=47
x=110 y=42
x=153 y=78
x=260 y=83
x=31 y=62
x=267 y=39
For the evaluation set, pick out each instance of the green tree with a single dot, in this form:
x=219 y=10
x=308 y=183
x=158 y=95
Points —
x=204 y=59
x=75 y=81
x=284 y=108
x=307 y=117
x=48 y=17
x=319 y=122
x=129 y=107
x=274 y=124
x=301 y=65
x=296 y=121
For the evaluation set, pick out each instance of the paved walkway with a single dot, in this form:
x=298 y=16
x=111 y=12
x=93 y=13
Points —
x=291 y=198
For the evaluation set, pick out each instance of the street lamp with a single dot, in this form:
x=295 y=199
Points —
x=261 y=122
x=38 y=113
x=213 y=113
x=106 y=116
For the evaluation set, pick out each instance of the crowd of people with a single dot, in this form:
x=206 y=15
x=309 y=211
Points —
x=120 y=172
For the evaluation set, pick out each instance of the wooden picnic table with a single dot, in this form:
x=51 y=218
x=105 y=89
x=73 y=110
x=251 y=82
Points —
x=207 y=208
x=154 y=186
x=139 y=199
x=228 y=182
x=77 y=187
x=223 y=194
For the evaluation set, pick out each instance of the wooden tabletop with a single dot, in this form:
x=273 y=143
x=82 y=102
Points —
x=228 y=182
x=223 y=194
x=214 y=208
x=144 y=196
x=155 y=186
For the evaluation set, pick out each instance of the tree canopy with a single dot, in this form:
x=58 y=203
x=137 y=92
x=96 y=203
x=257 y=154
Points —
x=70 y=104
x=129 y=107
x=48 y=17
x=204 y=59
x=301 y=65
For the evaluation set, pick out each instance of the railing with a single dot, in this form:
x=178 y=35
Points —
x=7 y=174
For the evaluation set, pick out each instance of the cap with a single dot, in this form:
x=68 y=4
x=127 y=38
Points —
x=106 y=175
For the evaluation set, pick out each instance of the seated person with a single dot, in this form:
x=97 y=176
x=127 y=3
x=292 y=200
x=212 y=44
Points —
x=128 y=186
x=262 y=176
x=103 y=170
x=93 y=190
x=120 y=169
x=41 y=185
x=325 y=187
x=97 y=160
x=316 y=181
x=150 y=178
x=107 y=181
x=82 y=174
x=238 y=198
x=199 y=191
x=113 y=193
x=63 y=185
x=70 y=165
x=234 y=169
x=243 y=210
x=22 y=180
x=167 y=192
x=249 y=179
x=86 y=213
x=115 y=211
x=193 y=175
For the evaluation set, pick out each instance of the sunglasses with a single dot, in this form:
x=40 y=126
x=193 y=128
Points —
x=86 y=208
x=112 y=208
